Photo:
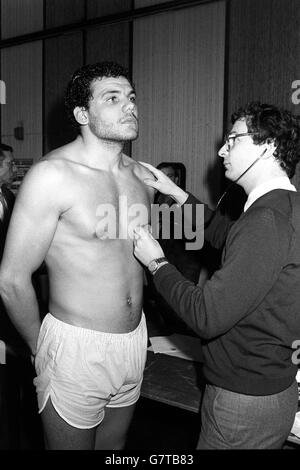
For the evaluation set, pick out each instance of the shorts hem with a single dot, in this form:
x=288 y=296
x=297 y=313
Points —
x=67 y=420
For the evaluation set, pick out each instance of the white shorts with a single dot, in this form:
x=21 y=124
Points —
x=84 y=370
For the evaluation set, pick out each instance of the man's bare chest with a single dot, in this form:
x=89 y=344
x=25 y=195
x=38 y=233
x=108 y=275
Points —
x=107 y=209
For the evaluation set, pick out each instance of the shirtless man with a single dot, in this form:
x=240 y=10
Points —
x=90 y=351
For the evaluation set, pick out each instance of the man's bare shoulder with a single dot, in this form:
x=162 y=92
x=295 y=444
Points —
x=47 y=176
x=44 y=187
x=54 y=164
x=42 y=171
x=60 y=156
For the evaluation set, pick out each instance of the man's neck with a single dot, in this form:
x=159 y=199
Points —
x=257 y=178
x=99 y=153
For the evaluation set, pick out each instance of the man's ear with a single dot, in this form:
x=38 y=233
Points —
x=270 y=149
x=81 y=115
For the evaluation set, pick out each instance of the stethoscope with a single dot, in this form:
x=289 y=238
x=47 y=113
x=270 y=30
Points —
x=237 y=179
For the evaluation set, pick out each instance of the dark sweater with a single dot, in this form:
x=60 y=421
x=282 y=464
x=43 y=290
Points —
x=248 y=313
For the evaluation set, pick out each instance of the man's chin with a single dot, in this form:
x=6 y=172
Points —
x=229 y=175
x=130 y=137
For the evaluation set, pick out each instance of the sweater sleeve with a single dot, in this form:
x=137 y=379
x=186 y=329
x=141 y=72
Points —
x=216 y=225
x=252 y=261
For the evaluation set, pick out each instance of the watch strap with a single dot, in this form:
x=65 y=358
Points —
x=155 y=264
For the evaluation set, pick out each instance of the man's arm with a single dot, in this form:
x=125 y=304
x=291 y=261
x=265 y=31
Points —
x=253 y=260
x=32 y=227
x=216 y=225
x=254 y=257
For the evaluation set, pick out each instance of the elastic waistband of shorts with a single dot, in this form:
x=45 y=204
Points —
x=50 y=319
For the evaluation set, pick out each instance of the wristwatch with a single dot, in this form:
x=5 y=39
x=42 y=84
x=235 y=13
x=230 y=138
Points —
x=156 y=263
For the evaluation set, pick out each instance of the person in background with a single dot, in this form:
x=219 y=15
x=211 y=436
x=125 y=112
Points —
x=169 y=170
x=248 y=312
x=90 y=351
x=187 y=262
x=7 y=198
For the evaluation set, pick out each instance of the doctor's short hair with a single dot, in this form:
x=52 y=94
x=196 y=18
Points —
x=273 y=124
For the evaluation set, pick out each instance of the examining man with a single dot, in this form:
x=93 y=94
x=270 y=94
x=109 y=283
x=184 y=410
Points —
x=187 y=262
x=248 y=312
x=90 y=351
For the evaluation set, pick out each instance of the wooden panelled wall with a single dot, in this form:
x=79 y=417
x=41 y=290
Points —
x=20 y=17
x=264 y=51
x=62 y=56
x=22 y=73
x=177 y=60
x=263 y=54
x=178 y=67
x=36 y=74
x=58 y=12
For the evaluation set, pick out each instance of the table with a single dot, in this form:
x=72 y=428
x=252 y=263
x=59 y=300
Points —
x=293 y=439
x=173 y=381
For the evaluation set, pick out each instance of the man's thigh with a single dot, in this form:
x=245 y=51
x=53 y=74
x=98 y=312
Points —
x=109 y=434
x=59 y=435
x=112 y=432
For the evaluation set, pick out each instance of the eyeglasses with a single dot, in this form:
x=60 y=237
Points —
x=229 y=139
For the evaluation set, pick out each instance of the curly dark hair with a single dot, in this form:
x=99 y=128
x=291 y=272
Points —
x=273 y=124
x=78 y=91
x=4 y=148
